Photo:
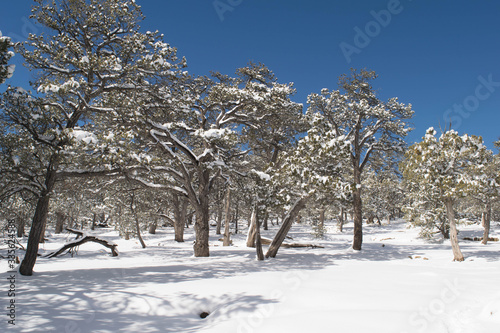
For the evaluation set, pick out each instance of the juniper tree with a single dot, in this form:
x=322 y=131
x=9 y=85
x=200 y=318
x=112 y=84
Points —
x=443 y=171
x=487 y=188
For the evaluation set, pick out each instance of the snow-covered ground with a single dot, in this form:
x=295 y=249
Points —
x=397 y=283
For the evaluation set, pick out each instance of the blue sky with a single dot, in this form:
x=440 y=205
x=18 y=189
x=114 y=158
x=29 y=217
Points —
x=443 y=57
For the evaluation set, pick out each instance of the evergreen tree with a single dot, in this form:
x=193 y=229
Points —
x=367 y=123
x=91 y=54
x=441 y=171
x=6 y=70
x=198 y=132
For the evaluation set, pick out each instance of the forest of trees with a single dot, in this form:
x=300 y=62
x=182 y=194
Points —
x=115 y=131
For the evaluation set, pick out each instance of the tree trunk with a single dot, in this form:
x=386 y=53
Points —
x=357 y=210
x=322 y=218
x=180 y=212
x=486 y=223
x=152 y=228
x=39 y=220
x=42 y=234
x=94 y=219
x=227 y=219
x=285 y=227
x=137 y=225
x=258 y=240
x=457 y=254
x=219 y=219
x=445 y=230
x=189 y=219
x=236 y=216
x=266 y=218
x=59 y=222
x=20 y=227
x=252 y=230
x=341 y=219
x=138 y=230
x=202 y=226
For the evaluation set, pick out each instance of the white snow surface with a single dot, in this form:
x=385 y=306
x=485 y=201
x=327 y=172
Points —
x=397 y=283
x=85 y=136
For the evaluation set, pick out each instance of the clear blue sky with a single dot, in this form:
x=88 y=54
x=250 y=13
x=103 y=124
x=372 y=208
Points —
x=437 y=55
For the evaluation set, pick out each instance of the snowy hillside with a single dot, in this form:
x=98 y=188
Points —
x=397 y=283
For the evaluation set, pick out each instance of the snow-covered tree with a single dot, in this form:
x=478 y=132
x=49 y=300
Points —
x=198 y=131
x=90 y=54
x=443 y=171
x=314 y=169
x=367 y=123
x=6 y=70
x=383 y=195
x=487 y=188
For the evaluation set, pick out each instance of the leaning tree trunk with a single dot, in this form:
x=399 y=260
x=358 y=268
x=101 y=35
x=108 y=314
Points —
x=202 y=226
x=357 y=210
x=252 y=229
x=285 y=227
x=137 y=225
x=138 y=230
x=227 y=219
x=486 y=223
x=39 y=220
x=457 y=254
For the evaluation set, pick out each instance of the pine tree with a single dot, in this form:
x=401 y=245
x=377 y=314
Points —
x=367 y=123
x=198 y=132
x=6 y=70
x=90 y=55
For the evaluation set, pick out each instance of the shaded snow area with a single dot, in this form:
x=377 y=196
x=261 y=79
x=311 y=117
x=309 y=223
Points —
x=397 y=283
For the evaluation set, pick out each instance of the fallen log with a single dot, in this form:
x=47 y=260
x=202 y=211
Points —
x=478 y=239
x=84 y=239
x=267 y=241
